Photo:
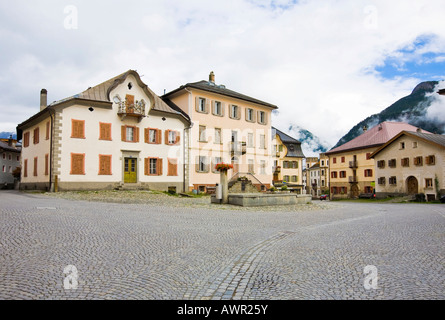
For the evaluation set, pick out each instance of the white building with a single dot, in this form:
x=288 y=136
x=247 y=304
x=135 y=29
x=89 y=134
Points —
x=116 y=134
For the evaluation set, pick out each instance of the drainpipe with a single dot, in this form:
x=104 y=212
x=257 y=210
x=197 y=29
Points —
x=52 y=114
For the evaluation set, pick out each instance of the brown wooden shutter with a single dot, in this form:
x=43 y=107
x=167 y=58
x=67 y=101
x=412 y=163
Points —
x=159 y=165
x=124 y=133
x=158 y=136
x=46 y=164
x=25 y=169
x=146 y=135
x=136 y=131
x=36 y=135
x=178 y=137
x=238 y=113
x=35 y=166
x=146 y=166
x=47 y=130
x=197 y=104
x=166 y=136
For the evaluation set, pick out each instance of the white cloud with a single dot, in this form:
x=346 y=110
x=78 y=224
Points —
x=314 y=59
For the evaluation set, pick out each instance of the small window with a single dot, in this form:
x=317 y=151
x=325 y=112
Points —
x=343 y=159
x=342 y=174
x=334 y=160
x=262 y=141
x=428 y=183
x=381 y=164
x=250 y=115
x=202 y=134
x=250 y=140
x=414 y=144
x=402 y=145
x=251 y=166
x=405 y=162
x=262 y=117
x=130 y=86
x=262 y=167
x=430 y=160
x=217 y=108
x=381 y=181
x=368 y=173
x=392 y=180
x=418 y=161
x=392 y=163
x=201 y=105
x=234 y=112
x=218 y=139
x=36 y=135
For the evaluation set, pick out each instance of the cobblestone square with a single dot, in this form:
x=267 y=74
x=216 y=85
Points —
x=151 y=246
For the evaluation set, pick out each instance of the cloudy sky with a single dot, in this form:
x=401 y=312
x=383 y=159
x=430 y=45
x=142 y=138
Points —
x=326 y=64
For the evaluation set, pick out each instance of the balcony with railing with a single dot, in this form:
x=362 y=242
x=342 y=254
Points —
x=353 y=179
x=353 y=164
x=238 y=148
x=136 y=109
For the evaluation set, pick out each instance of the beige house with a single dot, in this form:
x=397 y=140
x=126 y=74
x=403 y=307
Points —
x=351 y=168
x=307 y=183
x=318 y=176
x=411 y=163
x=288 y=162
x=116 y=134
x=228 y=127
x=9 y=161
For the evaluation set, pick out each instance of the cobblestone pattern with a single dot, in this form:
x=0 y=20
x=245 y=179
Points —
x=162 y=249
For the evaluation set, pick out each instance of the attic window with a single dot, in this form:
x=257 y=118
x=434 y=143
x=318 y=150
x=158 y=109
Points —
x=130 y=85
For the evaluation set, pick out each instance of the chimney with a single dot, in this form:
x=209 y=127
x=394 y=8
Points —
x=212 y=77
x=418 y=130
x=10 y=141
x=365 y=128
x=43 y=99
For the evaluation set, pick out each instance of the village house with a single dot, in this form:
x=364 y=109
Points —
x=118 y=134
x=411 y=163
x=307 y=184
x=228 y=127
x=318 y=176
x=352 y=170
x=9 y=162
x=288 y=163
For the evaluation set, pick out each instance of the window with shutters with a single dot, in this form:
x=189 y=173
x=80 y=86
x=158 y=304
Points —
x=418 y=161
x=172 y=137
x=172 y=167
x=202 y=164
x=262 y=117
x=130 y=134
x=153 y=166
x=47 y=130
x=78 y=129
x=392 y=180
x=368 y=173
x=104 y=164
x=218 y=136
x=381 y=164
x=201 y=105
x=342 y=174
x=250 y=115
x=36 y=137
x=153 y=136
x=26 y=140
x=392 y=163
x=217 y=108
x=250 y=140
x=382 y=181
x=77 y=163
x=35 y=167
x=405 y=162
x=428 y=183
x=334 y=174
x=234 y=112
x=262 y=167
x=251 y=166
x=104 y=131
x=46 y=164
x=202 y=134
x=262 y=141
x=430 y=160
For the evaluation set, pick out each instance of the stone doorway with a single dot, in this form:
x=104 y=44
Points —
x=412 y=185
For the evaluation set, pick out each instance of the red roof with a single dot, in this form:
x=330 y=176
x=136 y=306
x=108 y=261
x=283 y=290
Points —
x=378 y=135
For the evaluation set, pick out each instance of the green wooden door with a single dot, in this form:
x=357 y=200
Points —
x=130 y=171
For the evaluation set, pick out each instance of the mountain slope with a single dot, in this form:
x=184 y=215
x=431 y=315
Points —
x=311 y=144
x=413 y=109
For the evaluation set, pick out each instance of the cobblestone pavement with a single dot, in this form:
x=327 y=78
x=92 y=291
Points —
x=171 y=248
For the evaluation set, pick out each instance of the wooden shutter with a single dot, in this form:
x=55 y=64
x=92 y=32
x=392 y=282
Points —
x=35 y=167
x=136 y=132
x=129 y=99
x=172 y=167
x=36 y=135
x=238 y=113
x=146 y=166
x=25 y=169
x=146 y=135
x=46 y=164
x=166 y=132
x=197 y=164
x=124 y=133
x=178 y=137
x=26 y=140
x=47 y=130
x=78 y=129
x=158 y=136
x=223 y=109
x=77 y=163
x=197 y=104
x=207 y=105
x=104 y=165
x=159 y=167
